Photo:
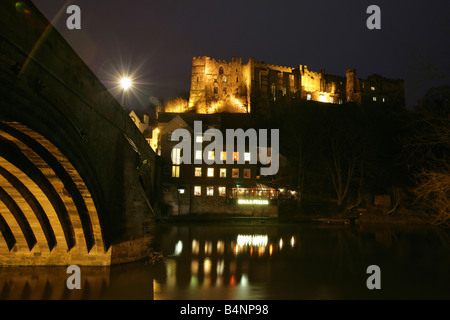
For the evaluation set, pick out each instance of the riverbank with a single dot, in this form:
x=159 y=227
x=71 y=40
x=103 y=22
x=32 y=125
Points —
x=352 y=217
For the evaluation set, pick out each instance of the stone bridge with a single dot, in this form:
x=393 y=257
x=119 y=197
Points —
x=77 y=178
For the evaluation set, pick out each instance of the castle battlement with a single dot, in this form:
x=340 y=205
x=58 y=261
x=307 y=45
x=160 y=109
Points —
x=273 y=66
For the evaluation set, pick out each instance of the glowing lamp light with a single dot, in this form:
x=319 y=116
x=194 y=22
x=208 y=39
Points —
x=125 y=83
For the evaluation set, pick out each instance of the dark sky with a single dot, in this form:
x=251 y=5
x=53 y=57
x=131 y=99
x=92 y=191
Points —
x=157 y=39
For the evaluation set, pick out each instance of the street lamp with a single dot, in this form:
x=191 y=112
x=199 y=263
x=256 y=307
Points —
x=125 y=83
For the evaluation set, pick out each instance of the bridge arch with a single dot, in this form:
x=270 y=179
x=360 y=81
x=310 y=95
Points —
x=71 y=159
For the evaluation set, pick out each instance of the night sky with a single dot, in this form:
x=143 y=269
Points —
x=157 y=39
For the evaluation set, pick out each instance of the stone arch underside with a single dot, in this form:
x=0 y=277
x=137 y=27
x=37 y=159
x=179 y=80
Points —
x=47 y=213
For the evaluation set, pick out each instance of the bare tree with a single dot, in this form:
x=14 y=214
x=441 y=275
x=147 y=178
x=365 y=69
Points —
x=343 y=164
x=428 y=156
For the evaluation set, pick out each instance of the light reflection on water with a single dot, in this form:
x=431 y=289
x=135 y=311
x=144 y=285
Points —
x=260 y=262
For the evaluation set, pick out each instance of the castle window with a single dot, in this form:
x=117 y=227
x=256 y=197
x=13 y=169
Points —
x=221 y=70
x=225 y=90
x=273 y=89
x=284 y=90
x=216 y=90
x=372 y=88
x=237 y=79
x=374 y=98
x=224 y=80
x=197 y=79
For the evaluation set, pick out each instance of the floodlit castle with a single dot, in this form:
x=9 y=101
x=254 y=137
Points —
x=221 y=86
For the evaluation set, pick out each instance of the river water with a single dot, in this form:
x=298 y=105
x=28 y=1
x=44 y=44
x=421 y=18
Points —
x=247 y=262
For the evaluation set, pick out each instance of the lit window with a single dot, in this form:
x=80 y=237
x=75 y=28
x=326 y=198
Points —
x=210 y=172
x=197 y=191
x=210 y=155
x=247 y=173
x=247 y=156
x=235 y=156
x=284 y=90
x=176 y=152
x=198 y=155
x=322 y=98
x=222 y=191
x=235 y=173
x=308 y=96
x=374 y=98
x=384 y=100
x=175 y=171
x=223 y=156
x=198 y=172
x=372 y=88
x=209 y=191
x=223 y=173
x=199 y=139
x=224 y=80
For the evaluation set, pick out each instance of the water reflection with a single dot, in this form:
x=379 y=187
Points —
x=260 y=262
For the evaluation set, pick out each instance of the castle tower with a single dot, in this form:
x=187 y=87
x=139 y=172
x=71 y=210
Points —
x=353 y=92
x=197 y=97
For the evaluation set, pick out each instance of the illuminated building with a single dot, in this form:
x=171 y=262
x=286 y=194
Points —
x=148 y=129
x=221 y=86
x=227 y=188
